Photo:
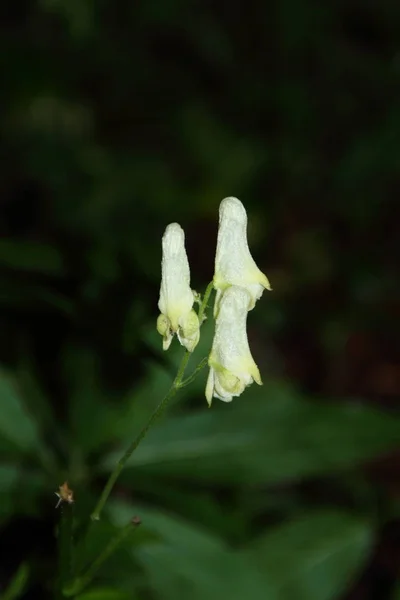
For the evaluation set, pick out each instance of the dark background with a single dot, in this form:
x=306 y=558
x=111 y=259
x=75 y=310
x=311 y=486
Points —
x=120 y=117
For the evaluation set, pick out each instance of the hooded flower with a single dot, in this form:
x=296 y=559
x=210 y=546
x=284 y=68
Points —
x=232 y=367
x=176 y=297
x=234 y=264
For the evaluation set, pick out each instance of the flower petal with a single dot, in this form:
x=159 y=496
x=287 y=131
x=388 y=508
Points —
x=234 y=264
x=176 y=297
x=232 y=367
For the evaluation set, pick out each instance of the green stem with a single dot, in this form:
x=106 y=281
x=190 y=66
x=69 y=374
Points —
x=87 y=576
x=197 y=370
x=95 y=516
x=65 y=542
x=177 y=383
x=205 y=300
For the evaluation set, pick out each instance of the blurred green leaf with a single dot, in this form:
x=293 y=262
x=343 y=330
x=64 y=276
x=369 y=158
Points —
x=188 y=572
x=78 y=15
x=35 y=398
x=30 y=256
x=16 y=424
x=167 y=527
x=105 y=594
x=267 y=436
x=18 y=583
x=189 y=561
x=396 y=595
x=313 y=557
x=109 y=422
x=87 y=403
x=199 y=505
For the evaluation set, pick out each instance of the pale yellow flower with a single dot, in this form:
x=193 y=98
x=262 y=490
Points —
x=232 y=367
x=176 y=297
x=234 y=264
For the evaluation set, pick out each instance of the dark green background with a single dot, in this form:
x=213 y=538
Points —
x=116 y=119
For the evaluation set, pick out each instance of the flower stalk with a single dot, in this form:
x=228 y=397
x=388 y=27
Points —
x=176 y=385
x=83 y=580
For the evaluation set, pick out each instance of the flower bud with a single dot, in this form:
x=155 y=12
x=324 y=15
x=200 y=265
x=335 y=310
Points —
x=176 y=297
x=234 y=264
x=232 y=366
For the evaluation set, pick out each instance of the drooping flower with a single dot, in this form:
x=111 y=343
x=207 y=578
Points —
x=234 y=264
x=176 y=297
x=232 y=367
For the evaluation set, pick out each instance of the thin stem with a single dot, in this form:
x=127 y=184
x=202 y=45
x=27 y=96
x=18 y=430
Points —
x=197 y=370
x=87 y=576
x=65 y=543
x=95 y=516
x=205 y=300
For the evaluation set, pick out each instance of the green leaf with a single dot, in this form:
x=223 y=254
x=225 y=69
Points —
x=188 y=561
x=164 y=526
x=105 y=594
x=108 y=422
x=313 y=557
x=17 y=426
x=35 y=398
x=92 y=419
x=268 y=436
x=187 y=572
x=18 y=583
x=30 y=256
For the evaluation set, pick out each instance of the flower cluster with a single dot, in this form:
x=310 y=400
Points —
x=238 y=282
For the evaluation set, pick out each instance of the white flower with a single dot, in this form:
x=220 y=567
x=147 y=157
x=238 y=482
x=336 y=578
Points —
x=234 y=264
x=176 y=297
x=232 y=367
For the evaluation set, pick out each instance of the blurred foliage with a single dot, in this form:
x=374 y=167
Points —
x=116 y=119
